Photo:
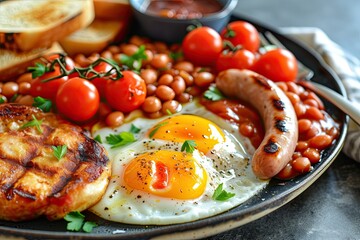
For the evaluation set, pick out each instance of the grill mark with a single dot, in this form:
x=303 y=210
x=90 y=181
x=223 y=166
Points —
x=271 y=146
x=280 y=124
x=278 y=104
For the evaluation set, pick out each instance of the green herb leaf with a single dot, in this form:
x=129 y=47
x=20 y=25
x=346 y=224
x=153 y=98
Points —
x=188 y=146
x=134 y=62
x=176 y=55
x=2 y=100
x=156 y=128
x=75 y=221
x=42 y=103
x=59 y=151
x=98 y=139
x=134 y=129
x=88 y=226
x=121 y=139
x=222 y=195
x=38 y=70
x=33 y=123
x=213 y=94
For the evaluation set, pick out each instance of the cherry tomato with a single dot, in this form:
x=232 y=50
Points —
x=127 y=93
x=240 y=59
x=100 y=83
x=279 y=65
x=78 y=99
x=48 y=89
x=242 y=33
x=202 y=46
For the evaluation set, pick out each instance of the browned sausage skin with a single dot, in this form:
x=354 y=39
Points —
x=277 y=112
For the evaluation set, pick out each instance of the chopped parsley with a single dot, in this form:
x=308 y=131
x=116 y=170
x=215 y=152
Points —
x=213 y=94
x=98 y=139
x=59 y=151
x=134 y=61
x=188 y=146
x=134 y=129
x=39 y=70
x=76 y=222
x=156 y=128
x=33 y=123
x=120 y=139
x=221 y=195
x=42 y=103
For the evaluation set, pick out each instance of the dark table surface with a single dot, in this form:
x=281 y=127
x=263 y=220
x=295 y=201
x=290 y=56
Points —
x=329 y=208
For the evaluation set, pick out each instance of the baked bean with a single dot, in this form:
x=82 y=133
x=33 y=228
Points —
x=301 y=165
x=165 y=79
x=293 y=97
x=24 y=87
x=333 y=132
x=154 y=115
x=282 y=86
x=129 y=49
x=137 y=40
x=204 y=79
x=320 y=141
x=150 y=89
x=81 y=60
x=312 y=154
x=93 y=57
x=300 y=109
x=313 y=96
x=246 y=129
x=189 y=79
x=149 y=56
x=114 y=119
x=170 y=106
x=304 y=125
x=26 y=77
x=114 y=49
x=296 y=155
x=160 y=47
x=9 y=89
x=160 y=60
x=103 y=110
x=165 y=93
x=314 y=113
x=178 y=85
x=287 y=172
x=149 y=75
x=151 y=104
x=312 y=132
x=106 y=54
x=304 y=95
x=293 y=87
x=184 y=66
x=184 y=97
x=302 y=146
x=194 y=91
x=25 y=100
x=311 y=102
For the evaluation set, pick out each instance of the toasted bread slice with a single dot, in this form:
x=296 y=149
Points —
x=94 y=38
x=13 y=63
x=112 y=10
x=25 y=25
x=33 y=181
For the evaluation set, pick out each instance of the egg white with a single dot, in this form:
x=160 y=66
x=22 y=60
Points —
x=228 y=163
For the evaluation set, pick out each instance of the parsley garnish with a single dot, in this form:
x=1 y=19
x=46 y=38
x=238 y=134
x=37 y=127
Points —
x=134 y=129
x=33 y=123
x=188 y=146
x=59 y=151
x=39 y=70
x=2 y=100
x=213 y=93
x=156 y=128
x=42 y=103
x=76 y=222
x=176 y=55
x=98 y=139
x=134 y=61
x=222 y=195
x=121 y=139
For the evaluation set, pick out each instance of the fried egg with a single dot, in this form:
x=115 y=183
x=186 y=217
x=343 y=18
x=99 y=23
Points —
x=156 y=180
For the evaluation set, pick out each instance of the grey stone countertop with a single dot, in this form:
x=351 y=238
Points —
x=329 y=208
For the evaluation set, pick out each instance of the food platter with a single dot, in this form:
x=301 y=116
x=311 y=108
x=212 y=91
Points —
x=275 y=195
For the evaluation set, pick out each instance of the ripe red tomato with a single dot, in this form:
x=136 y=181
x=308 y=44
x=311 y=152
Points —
x=202 y=46
x=279 y=65
x=127 y=93
x=240 y=59
x=48 y=89
x=242 y=33
x=100 y=83
x=78 y=99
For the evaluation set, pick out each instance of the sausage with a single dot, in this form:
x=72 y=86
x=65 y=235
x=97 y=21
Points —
x=277 y=112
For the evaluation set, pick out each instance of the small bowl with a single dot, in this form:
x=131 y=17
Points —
x=172 y=30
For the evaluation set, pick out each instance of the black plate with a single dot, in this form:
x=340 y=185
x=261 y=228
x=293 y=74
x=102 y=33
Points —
x=276 y=194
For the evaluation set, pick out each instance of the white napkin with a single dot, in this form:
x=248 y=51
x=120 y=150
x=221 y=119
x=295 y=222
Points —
x=345 y=65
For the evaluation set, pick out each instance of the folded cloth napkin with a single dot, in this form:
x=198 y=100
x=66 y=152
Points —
x=345 y=65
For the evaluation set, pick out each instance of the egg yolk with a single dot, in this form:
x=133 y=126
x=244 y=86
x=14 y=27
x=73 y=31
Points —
x=166 y=173
x=205 y=133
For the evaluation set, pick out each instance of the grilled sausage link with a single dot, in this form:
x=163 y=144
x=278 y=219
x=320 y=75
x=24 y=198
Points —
x=277 y=112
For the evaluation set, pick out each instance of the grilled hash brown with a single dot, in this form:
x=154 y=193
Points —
x=33 y=182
